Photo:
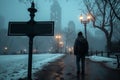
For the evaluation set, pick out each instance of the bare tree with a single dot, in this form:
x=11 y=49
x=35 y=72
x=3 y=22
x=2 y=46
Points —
x=114 y=4
x=102 y=17
x=116 y=31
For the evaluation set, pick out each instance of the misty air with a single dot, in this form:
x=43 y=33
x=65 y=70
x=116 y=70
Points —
x=59 y=40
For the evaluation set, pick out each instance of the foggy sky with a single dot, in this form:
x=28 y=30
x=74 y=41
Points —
x=13 y=10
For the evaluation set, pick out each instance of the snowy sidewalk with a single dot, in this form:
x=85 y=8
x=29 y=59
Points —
x=65 y=69
x=14 y=67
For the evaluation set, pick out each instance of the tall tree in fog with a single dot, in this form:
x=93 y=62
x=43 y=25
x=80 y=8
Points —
x=102 y=17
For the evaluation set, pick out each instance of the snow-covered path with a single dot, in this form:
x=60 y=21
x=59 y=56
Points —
x=109 y=62
x=13 y=67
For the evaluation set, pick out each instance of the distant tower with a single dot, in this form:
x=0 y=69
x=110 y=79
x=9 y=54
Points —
x=71 y=33
x=55 y=15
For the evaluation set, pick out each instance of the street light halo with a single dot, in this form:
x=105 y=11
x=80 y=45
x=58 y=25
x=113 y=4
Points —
x=58 y=36
x=81 y=17
x=61 y=42
x=5 y=48
x=88 y=17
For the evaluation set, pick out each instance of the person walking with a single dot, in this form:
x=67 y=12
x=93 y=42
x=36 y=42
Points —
x=80 y=51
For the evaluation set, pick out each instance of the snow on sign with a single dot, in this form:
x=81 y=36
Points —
x=42 y=28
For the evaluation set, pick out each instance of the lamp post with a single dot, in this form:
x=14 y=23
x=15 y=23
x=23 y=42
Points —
x=58 y=37
x=85 y=21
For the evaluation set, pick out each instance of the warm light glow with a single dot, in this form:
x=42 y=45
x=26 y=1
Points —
x=58 y=36
x=69 y=49
x=81 y=17
x=88 y=17
x=61 y=43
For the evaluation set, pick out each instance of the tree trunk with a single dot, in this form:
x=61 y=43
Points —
x=108 y=45
x=108 y=40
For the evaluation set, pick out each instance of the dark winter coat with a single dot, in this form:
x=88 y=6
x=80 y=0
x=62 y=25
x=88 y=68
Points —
x=81 y=46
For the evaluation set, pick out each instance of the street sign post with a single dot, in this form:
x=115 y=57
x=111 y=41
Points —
x=31 y=29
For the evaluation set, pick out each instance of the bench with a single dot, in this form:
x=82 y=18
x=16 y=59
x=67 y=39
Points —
x=118 y=60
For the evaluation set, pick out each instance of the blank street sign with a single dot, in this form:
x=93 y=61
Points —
x=42 y=28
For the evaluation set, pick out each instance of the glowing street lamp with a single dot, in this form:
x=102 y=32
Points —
x=5 y=49
x=61 y=43
x=58 y=37
x=69 y=49
x=81 y=17
x=85 y=21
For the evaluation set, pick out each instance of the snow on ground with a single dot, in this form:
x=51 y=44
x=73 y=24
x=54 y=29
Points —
x=109 y=62
x=13 y=67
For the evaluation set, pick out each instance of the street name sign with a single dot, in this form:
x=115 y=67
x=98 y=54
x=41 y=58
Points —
x=41 y=28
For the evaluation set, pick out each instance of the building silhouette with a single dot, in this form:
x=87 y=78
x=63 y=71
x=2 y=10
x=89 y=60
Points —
x=55 y=15
x=71 y=33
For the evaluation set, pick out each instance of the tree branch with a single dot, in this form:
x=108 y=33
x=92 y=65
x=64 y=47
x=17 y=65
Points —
x=118 y=17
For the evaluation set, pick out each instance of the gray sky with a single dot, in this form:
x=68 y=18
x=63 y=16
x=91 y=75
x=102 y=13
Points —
x=13 y=10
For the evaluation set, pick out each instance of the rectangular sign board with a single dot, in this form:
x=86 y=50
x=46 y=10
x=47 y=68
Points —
x=41 y=28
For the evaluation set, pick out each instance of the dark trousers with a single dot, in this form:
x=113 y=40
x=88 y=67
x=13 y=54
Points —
x=80 y=60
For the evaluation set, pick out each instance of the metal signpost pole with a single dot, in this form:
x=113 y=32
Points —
x=32 y=11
